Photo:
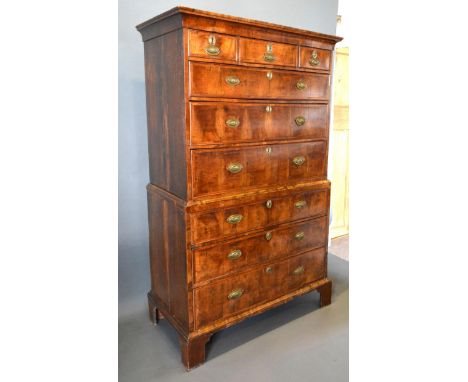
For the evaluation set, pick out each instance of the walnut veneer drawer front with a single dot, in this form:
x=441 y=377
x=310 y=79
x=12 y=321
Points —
x=217 y=122
x=264 y=52
x=228 y=81
x=229 y=170
x=232 y=256
x=212 y=45
x=234 y=294
x=247 y=217
x=312 y=58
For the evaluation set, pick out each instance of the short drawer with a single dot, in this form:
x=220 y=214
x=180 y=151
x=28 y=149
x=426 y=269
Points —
x=220 y=259
x=232 y=169
x=264 y=52
x=232 y=295
x=211 y=45
x=241 y=218
x=312 y=58
x=214 y=80
x=220 y=123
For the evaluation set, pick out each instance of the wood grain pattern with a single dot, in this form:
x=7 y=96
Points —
x=262 y=166
x=211 y=224
x=164 y=72
x=208 y=80
x=253 y=51
x=238 y=202
x=259 y=285
x=255 y=124
x=213 y=261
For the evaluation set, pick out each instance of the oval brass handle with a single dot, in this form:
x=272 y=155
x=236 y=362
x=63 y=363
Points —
x=299 y=235
x=299 y=161
x=268 y=236
x=314 y=61
x=236 y=293
x=300 y=85
x=234 y=219
x=232 y=122
x=232 y=80
x=233 y=255
x=300 y=120
x=269 y=203
x=234 y=168
x=300 y=204
x=211 y=49
x=299 y=270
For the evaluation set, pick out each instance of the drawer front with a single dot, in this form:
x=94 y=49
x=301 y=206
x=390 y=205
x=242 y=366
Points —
x=264 y=52
x=206 y=226
x=213 y=80
x=220 y=123
x=227 y=170
x=219 y=259
x=312 y=58
x=211 y=45
x=232 y=295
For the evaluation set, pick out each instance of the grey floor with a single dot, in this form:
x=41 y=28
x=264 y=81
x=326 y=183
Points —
x=294 y=342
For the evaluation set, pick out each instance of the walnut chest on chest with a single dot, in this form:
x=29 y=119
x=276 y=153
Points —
x=238 y=200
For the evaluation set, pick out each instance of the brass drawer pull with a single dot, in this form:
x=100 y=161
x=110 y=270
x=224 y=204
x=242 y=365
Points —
x=236 y=293
x=232 y=80
x=234 y=219
x=269 y=56
x=269 y=203
x=299 y=270
x=232 y=122
x=301 y=85
x=211 y=49
x=300 y=204
x=234 y=168
x=300 y=120
x=233 y=255
x=314 y=61
x=299 y=235
x=268 y=236
x=268 y=269
x=299 y=161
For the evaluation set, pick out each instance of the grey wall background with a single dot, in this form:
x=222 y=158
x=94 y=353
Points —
x=316 y=15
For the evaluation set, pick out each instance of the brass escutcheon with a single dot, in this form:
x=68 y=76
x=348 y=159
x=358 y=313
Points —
x=300 y=85
x=234 y=168
x=268 y=150
x=268 y=269
x=269 y=203
x=299 y=235
x=299 y=160
x=269 y=75
x=268 y=109
x=236 y=293
x=234 y=254
x=234 y=219
x=232 y=80
x=299 y=270
x=268 y=236
x=211 y=49
x=300 y=120
x=232 y=122
x=313 y=59
x=300 y=204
